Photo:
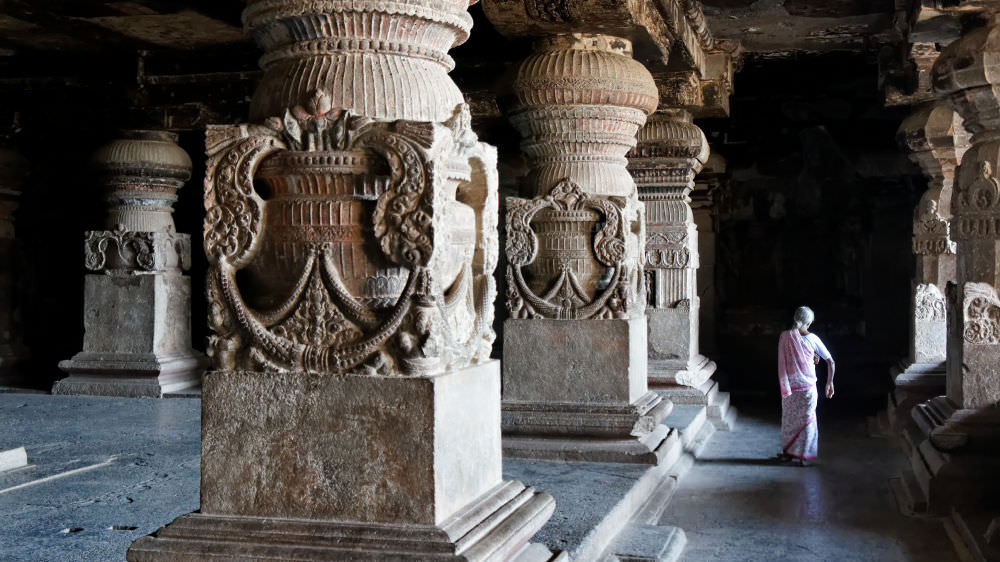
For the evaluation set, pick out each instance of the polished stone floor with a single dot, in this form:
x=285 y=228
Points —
x=736 y=505
x=105 y=471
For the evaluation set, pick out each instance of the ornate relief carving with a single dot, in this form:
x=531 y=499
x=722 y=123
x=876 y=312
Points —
x=929 y=303
x=977 y=204
x=931 y=231
x=136 y=251
x=981 y=309
x=566 y=296
x=442 y=315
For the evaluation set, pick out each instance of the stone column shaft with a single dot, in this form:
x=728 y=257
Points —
x=353 y=412
x=574 y=345
x=958 y=461
x=936 y=139
x=671 y=151
x=137 y=300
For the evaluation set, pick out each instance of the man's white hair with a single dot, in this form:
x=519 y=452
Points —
x=804 y=316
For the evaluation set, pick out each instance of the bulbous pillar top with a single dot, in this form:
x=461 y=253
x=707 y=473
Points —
x=585 y=69
x=144 y=154
x=671 y=150
x=381 y=59
x=933 y=126
x=581 y=98
x=142 y=171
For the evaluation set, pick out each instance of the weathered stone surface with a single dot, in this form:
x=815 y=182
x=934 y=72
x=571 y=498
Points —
x=574 y=345
x=597 y=362
x=589 y=401
x=137 y=304
x=421 y=448
x=936 y=139
x=957 y=458
x=136 y=338
x=670 y=152
x=354 y=413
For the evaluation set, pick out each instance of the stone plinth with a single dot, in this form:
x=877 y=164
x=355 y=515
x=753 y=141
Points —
x=137 y=300
x=670 y=152
x=574 y=371
x=957 y=456
x=275 y=480
x=13 y=173
x=354 y=412
x=936 y=140
x=594 y=406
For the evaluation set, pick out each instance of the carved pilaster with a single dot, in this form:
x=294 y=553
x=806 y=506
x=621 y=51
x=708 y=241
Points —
x=962 y=430
x=574 y=346
x=13 y=173
x=351 y=297
x=137 y=300
x=936 y=140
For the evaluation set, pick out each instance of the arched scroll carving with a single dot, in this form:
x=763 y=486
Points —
x=566 y=298
x=439 y=319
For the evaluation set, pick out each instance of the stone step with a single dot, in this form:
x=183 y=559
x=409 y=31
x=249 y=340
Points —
x=910 y=498
x=721 y=412
x=647 y=543
x=597 y=501
x=689 y=421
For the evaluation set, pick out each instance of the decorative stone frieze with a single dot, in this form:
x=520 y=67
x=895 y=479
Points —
x=137 y=300
x=936 y=140
x=13 y=173
x=351 y=232
x=574 y=345
x=671 y=150
x=957 y=462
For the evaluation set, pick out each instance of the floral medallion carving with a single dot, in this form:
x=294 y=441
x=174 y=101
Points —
x=981 y=309
x=929 y=303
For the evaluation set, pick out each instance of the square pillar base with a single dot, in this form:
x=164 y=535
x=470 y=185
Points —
x=137 y=338
x=301 y=466
x=576 y=390
x=130 y=375
x=957 y=455
x=497 y=527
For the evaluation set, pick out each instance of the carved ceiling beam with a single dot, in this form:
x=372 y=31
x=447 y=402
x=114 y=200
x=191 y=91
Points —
x=673 y=31
x=921 y=29
x=705 y=95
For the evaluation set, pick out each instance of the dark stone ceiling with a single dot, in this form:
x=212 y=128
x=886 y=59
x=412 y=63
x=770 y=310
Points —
x=764 y=26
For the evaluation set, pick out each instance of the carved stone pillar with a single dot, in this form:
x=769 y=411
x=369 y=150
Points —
x=670 y=152
x=13 y=172
x=574 y=345
x=137 y=300
x=354 y=412
x=703 y=206
x=936 y=139
x=957 y=463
